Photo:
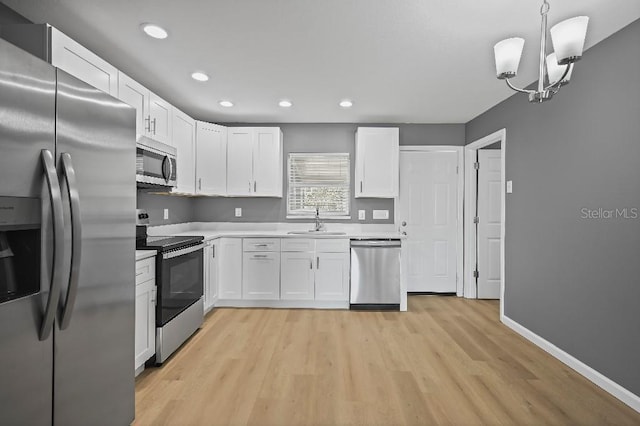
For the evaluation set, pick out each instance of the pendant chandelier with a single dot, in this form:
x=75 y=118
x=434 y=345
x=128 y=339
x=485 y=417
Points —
x=568 y=42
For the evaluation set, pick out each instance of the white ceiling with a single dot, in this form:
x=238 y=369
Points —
x=400 y=61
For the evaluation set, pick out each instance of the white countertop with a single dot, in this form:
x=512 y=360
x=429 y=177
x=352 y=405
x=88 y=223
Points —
x=276 y=230
x=144 y=254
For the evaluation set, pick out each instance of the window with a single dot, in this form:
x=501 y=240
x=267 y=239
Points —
x=318 y=180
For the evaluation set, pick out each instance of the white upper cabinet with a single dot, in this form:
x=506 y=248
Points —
x=184 y=133
x=153 y=114
x=83 y=64
x=136 y=95
x=254 y=162
x=211 y=159
x=377 y=162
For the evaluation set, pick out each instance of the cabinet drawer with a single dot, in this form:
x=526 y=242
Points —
x=261 y=244
x=332 y=245
x=145 y=270
x=298 y=244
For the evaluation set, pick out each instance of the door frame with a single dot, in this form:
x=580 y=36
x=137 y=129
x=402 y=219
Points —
x=460 y=205
x=470 y=151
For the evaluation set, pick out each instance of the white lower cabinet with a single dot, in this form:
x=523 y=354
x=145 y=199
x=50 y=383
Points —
x=297 y=276
x=261 y=276
x=230 y=268
x=145 y=312
x=332 y=276
x=211 y=274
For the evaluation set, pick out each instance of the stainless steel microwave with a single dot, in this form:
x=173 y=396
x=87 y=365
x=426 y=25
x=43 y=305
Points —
x=155 y=164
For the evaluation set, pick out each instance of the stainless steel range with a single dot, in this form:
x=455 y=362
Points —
x=179 y=277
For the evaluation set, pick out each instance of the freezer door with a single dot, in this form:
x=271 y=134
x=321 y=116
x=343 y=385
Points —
x=27 y=123
x=94 y=337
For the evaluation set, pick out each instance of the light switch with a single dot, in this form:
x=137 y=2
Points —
x=381 y=214
x=509 y=186
x=362 y=214
x=238 y=212
x=166 y=214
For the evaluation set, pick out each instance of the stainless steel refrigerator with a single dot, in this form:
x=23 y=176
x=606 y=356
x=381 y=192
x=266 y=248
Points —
x=67 y=248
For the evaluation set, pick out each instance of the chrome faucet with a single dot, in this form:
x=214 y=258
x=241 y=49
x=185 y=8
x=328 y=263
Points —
x=319 y=225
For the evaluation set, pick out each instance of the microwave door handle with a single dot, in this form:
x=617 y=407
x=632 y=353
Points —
x=170 y=169
x=55 y=198
x=76 y=239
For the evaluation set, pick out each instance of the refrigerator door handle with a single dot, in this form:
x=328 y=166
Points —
x=76 y=239
x=55 y=198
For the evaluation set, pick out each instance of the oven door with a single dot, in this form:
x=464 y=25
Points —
x=180 y=282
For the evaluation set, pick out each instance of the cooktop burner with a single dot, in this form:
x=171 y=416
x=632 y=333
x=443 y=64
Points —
x=167 y=243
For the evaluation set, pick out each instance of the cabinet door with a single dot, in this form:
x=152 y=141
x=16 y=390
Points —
x=261 y=276
x=296 y=282
x=214 y=271
x=160 y=123
x=239 y=161
x=145 y=322
x=332 y=276
x=136 y=95
x=83 y=64
x=267 y=162
x=377 y=162
x=184 y=142
x=230 y=268
x=211 y=159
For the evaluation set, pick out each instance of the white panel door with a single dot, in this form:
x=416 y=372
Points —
x=428 y=214
x=332 y=276
x=160 y=119
x=211 y=159
x=136 y=95
x=72 y=57
x=240 y=161
x=489 y=203
x=229 y=268
x=261 y=276
x=267 y=162
x=184 y=132
x=296 y=281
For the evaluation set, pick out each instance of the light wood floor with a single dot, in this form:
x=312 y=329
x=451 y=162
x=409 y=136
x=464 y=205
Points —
x=446 y=361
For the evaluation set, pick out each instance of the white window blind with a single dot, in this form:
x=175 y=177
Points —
x=318 y=180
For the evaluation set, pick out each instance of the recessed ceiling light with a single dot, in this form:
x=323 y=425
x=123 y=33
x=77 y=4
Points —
x=154 y=31
x=285 y=104
x=200 y=76
x=346 y=103
x=226 y=104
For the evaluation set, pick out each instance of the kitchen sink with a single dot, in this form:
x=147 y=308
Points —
x=314 y=232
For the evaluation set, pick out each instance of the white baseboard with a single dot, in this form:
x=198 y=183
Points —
x=624 y=395
x=287 y=304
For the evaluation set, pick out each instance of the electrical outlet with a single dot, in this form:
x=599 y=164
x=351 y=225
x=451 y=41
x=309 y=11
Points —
x=166 y=214
x=238 y=212
x=362 y=214
x=509 y=187
x=381 y=214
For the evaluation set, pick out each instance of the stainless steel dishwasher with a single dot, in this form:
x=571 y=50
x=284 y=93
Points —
x=375 y=274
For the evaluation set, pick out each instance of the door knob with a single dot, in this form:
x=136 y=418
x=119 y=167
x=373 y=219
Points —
x=404 y=233
x=404 y=223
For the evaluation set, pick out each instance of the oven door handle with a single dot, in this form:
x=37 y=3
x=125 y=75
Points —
x=172 y=254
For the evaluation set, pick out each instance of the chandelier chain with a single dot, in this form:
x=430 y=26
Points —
x=544 y=9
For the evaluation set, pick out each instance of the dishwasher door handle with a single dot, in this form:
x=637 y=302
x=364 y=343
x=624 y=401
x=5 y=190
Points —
x=376 y=243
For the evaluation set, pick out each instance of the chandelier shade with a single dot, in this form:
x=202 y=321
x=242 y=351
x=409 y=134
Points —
x=555 y=71
x=507 y=55
x=568 y=39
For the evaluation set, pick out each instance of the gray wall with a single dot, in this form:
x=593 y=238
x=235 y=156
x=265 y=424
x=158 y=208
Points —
x=574 y=281
x=9 y=16
x=180 y=208
x=322 y=138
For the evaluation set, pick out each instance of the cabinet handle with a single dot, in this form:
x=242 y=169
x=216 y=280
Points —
x=260 y=256
x=310 y=264
x=147 y=124
x=361 y=187
x=249 y=186
x=153 y=296
x=255 y=186
x=154 y=126
x=199 y=183
x=318 y=262
x=213 y=251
